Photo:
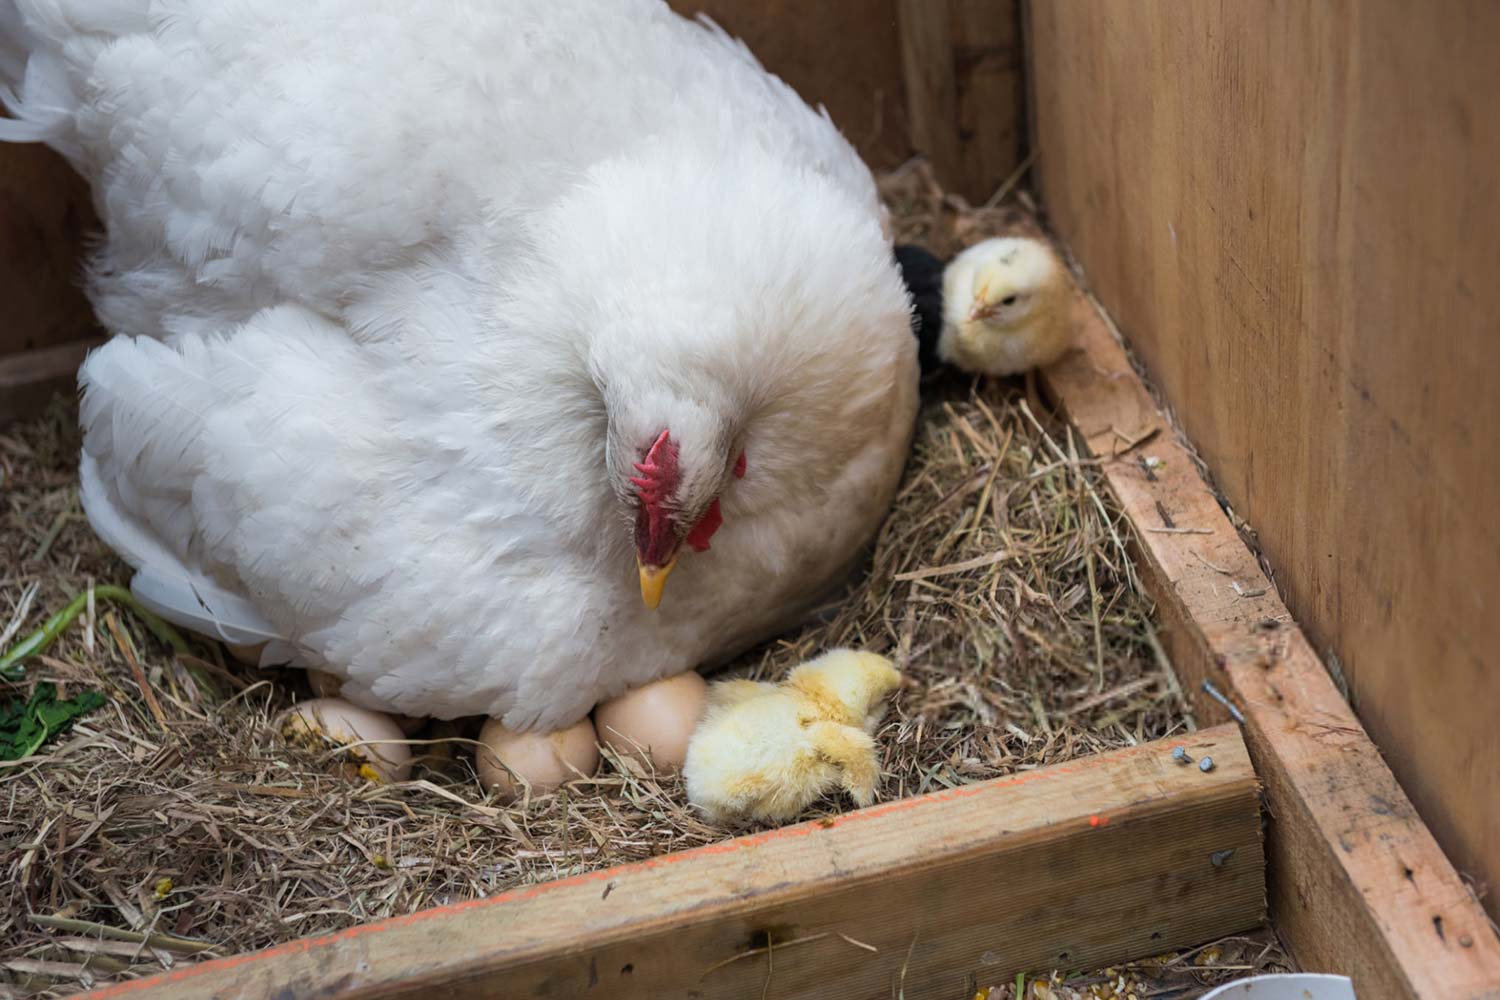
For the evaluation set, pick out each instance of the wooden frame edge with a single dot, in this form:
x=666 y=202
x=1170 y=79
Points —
x=28 y=379
x=1358 y=884
x=1097 y=860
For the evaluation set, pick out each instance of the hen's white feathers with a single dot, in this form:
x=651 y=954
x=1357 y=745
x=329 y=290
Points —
x=400 y=288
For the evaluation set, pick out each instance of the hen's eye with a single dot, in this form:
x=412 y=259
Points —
x=1009 y=300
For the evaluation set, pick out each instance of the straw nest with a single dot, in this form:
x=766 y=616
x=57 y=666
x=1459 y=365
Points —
x=174 y=825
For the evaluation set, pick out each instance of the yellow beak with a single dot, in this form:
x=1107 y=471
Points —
x=653 y=579
x=977 y=310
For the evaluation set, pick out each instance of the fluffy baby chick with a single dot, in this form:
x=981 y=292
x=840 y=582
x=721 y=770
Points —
x=1005 y=307
x=767 y=751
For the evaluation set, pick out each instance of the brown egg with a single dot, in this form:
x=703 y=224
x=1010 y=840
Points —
x=248 y=655
x=543 y=760
x=656 y=720
x=319 y=722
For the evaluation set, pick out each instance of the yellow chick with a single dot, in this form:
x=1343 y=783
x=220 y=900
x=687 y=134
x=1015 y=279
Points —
x=767 y=751
x=1005 y=307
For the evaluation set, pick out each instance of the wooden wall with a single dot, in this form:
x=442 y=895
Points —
x=844 y=54
x=45 y=217
x=1292 y=212
x=965 y=79
x=940 y=77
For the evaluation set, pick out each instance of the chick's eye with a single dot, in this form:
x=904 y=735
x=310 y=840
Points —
x=1009 y=300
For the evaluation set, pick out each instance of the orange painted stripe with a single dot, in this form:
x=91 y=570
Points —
x=807 y=829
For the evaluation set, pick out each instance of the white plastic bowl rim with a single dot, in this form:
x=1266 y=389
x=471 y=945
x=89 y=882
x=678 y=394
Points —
x=1292 y=986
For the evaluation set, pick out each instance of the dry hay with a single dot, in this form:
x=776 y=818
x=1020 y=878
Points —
x=1000 y=582
x=1177 y=976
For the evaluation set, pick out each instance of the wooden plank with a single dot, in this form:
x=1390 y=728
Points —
x=1358 y=885
x=843 y=54
x=29 y=379
x=1076 y=865
x=964 y=80
x=1290 y=209
x=45 y=217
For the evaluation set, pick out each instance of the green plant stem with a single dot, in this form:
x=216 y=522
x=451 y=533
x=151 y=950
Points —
x=11 y=664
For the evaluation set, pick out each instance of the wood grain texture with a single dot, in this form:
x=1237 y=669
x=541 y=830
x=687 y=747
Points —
x=1358 y=884
x=1290 y=210
x=843 y=54
x=45 y=216
x=964 y=87
x=1093 y=861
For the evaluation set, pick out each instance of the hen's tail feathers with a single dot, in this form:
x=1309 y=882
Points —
x=47 y=48
x=18 y=131
x=162 y=583
x=206 y=609
x=730 y=43
x=12 y=72
x=34 y=86
x=131 y=422
x=12 y=47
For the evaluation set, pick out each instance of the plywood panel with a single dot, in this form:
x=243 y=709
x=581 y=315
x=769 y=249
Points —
x=1359 y=886
x=844 y=54
x=964 y=89
x=45 y=217
x=1291 y=211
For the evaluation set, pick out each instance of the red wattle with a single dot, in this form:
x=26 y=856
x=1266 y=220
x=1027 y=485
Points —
x=705 y=528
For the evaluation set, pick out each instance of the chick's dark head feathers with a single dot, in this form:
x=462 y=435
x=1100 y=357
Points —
x=923 y=275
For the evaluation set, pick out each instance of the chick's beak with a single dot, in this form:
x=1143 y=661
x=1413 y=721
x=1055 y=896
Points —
x=653 y=579
x=981 y=308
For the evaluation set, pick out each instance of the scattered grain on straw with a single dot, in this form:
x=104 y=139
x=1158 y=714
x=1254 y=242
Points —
x=172 y=824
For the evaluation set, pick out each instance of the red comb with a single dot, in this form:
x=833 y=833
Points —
x=658 y=471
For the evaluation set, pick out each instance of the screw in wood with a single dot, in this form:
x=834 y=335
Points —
x=1218 y=696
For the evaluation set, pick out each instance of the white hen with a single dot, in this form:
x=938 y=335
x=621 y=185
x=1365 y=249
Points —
x=403 y=293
